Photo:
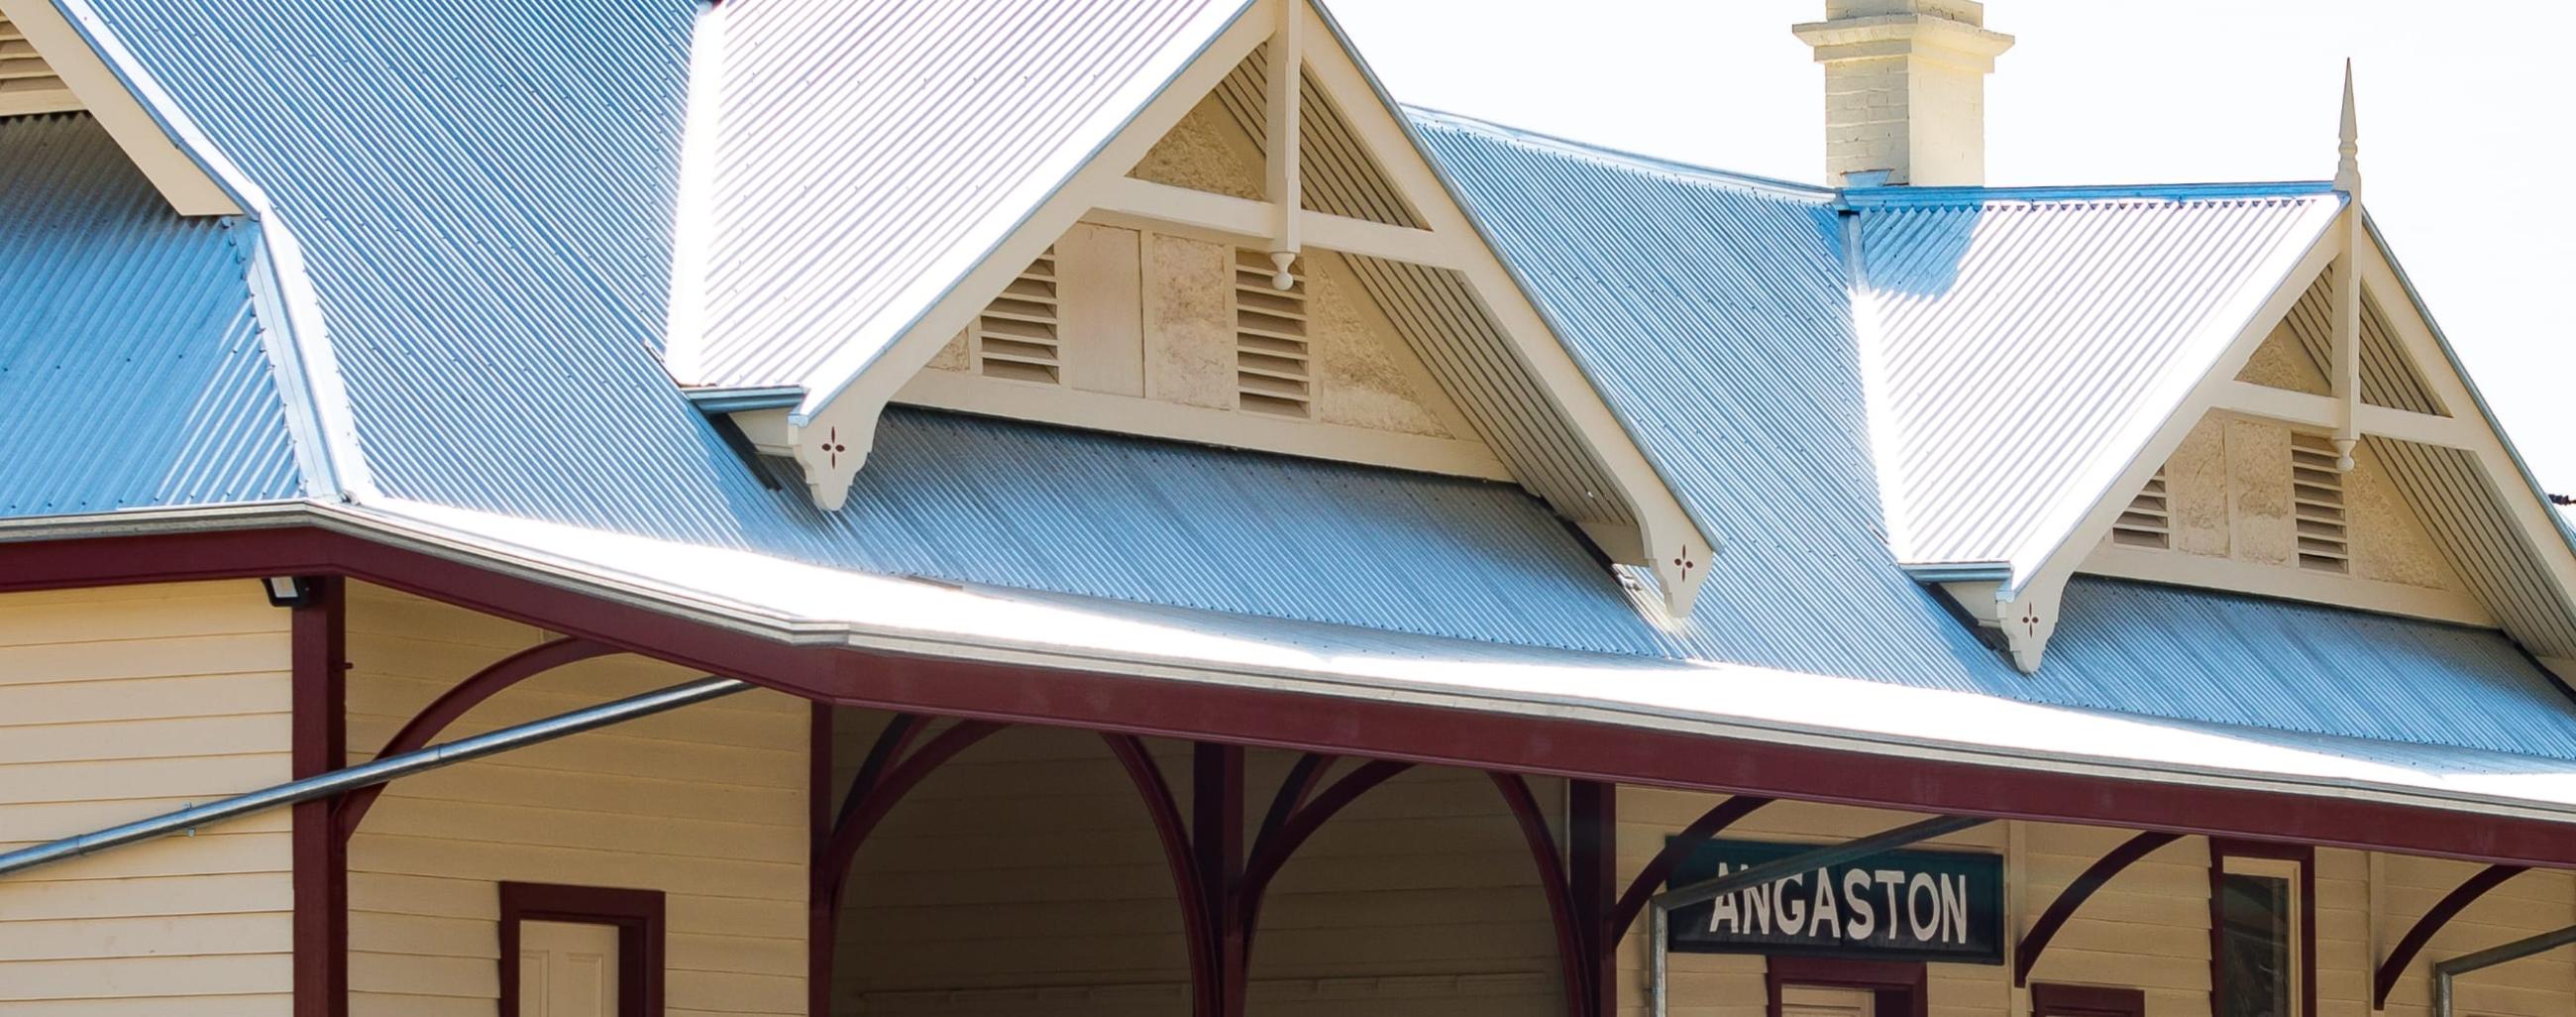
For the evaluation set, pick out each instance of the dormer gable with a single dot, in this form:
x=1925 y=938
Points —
x=56 y=58
x=2330 y=452
x=1239 y=256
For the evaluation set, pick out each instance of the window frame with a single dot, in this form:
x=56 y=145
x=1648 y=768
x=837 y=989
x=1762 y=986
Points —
x=637 y=915
x=2052 y=999
x=1901 y=986
x=2295 y=863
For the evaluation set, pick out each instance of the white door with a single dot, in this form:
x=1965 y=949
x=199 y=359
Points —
x=567 y=969
x=1818 y=1001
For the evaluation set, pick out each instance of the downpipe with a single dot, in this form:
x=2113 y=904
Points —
x=2445 y=971
x=377 y=772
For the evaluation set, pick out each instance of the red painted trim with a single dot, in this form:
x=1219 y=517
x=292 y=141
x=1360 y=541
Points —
x=1268 y=857
x=637 y=914
x=1570 y=952
x=1902 y=986
x=1623 y=915
x=2076 y=893
x=2220 y=849
x=1216 y=836
x=318 y=691
x=1302 y=777
x=857 y=823
x=821 y=937
x=2051 y=1000
x=1591 y=877
x=2442 y=912
x=454 y=704
x=1173 y=833
x=891 y=741
x=1380 y=729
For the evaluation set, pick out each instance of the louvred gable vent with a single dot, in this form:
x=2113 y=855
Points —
x=1270 y=353
x=27 y=83
x=2317 y=487
x=1016 y=337
x=2148 y=521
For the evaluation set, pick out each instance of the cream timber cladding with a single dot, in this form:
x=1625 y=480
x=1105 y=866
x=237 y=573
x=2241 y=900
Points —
x=1165 y=335
x=707 y=805
x=2256 y=504
x=125 y=702
x=1444 y=292
x=2148 y=928
x=1024 y=877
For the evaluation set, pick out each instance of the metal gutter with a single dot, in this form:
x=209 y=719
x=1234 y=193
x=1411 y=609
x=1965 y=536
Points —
x=719 y=401
x=756 y=621
x=369 y=774
x=1960 y=572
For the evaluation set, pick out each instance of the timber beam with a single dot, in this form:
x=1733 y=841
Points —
x=1128 y=201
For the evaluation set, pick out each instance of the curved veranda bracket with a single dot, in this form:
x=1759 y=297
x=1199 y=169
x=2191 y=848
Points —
x=2450 y=906
x=1642 y=889
x=868 y=804
x=455 y=703
x=1173 y=832
x=1555 y=885
x=2026 y=953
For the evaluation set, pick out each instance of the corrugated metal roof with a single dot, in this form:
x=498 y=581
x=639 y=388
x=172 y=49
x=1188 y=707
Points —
x=486 y=216
x=872 y=153
x=131 y=370
x=1710 y=309
x=2027 y=349
x=1042 y=508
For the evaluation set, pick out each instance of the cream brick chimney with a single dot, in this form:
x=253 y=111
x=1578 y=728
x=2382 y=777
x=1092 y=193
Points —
x=1905 y=88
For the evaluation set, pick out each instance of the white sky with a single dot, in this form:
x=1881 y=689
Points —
x=2463 y=136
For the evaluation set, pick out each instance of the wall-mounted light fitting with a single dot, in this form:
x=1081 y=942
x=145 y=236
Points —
x=288 y=591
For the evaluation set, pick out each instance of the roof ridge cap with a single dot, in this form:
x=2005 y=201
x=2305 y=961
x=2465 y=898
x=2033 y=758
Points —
x=1618 y=157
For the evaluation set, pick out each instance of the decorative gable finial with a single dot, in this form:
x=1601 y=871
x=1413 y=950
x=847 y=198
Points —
x=2348 y=166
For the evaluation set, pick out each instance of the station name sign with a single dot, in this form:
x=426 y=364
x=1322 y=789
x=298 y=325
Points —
x=1894 y=905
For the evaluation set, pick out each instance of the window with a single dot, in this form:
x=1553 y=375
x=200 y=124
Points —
x=2048 y=1000
x=2262 y=939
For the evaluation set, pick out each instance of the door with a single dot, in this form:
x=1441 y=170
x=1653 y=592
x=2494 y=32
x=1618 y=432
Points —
x=567 y=969
x=1818 y=1001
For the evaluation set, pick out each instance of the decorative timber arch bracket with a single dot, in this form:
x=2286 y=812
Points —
x=2391 y=969
x=2034 y=943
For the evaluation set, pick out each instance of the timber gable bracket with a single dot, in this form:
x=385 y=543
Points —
x=1502 y=396
x=2391 y=403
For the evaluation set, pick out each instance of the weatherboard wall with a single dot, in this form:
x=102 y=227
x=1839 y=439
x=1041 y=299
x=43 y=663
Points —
x=2147 y=929
x=121 y=703
x=706 y=804
x=1023 y=877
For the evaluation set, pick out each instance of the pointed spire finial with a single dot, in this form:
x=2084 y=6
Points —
x=2348 y=167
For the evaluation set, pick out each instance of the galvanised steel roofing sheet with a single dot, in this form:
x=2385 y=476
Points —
x=485 y=210
x=974 y=500
x=2028 y=347
x=131 y=370
x=487 y=217
x=872 y=152
x=1711 y=310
